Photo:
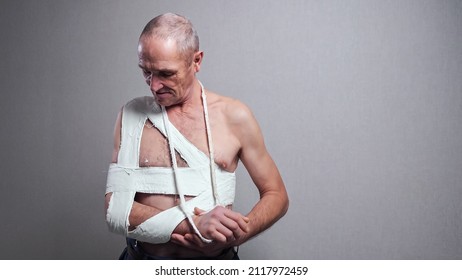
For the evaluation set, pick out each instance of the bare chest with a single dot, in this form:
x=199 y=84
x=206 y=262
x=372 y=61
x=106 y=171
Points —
x=155 y=152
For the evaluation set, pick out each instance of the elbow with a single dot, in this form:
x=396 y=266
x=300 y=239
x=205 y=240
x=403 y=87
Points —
x=107 y=200
x=283 y=203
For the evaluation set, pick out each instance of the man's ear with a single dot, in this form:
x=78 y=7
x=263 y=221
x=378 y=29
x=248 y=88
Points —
x=198 y=60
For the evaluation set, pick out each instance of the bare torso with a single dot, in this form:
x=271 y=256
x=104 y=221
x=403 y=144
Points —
x=154 y=152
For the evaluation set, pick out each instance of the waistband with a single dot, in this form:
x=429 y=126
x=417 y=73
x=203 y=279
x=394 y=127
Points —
x=135 y=252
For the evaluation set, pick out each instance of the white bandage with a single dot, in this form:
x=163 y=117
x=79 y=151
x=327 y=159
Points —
x=126 y=178
x=159 y=228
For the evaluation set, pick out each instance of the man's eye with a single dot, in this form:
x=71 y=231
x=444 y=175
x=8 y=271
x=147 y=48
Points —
x=166 y=74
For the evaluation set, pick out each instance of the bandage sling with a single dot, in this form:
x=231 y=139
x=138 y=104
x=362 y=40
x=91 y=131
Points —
x=209 y=185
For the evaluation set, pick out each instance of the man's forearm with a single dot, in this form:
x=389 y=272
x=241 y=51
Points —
x=269 y=209
x=140 y=213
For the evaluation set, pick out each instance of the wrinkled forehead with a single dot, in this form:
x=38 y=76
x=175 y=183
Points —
x=153 y=49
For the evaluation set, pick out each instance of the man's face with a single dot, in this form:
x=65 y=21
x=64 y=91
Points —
x=169 y=75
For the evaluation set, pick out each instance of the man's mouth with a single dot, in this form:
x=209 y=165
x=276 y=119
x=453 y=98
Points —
x=163 y=92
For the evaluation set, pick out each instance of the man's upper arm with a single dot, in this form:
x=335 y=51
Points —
x=254 y=154
x=117 y=137
x=273 y=202
x=115 y=150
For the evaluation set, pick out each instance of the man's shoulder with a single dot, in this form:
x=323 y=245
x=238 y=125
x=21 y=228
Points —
x=141 y=104
x=234 y=109
x=140 y=101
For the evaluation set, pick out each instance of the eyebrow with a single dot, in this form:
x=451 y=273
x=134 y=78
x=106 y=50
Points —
x=158 y=70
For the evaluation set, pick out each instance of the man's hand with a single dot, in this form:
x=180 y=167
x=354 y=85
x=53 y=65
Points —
x=221 y=224
x=225 y=227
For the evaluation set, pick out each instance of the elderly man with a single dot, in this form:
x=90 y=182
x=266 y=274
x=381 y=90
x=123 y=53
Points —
x=171 y=183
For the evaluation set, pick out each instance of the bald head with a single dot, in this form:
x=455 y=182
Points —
x=174 y=27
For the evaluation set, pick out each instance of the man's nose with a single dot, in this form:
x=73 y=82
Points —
x=155 y=84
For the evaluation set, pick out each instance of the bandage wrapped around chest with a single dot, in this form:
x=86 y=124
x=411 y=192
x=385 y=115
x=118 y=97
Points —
x=126 y=178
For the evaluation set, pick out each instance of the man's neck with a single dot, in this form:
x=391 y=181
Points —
x=191 y=106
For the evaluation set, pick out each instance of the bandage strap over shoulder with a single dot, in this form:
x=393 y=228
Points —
x=126 y=178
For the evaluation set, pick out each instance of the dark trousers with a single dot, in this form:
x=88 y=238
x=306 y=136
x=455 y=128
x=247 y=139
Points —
x=134 y=252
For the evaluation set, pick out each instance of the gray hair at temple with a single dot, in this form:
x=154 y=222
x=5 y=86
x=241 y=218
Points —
x=177 y=28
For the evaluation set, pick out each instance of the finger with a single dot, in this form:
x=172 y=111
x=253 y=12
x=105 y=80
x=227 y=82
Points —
x=219 y=234
x=221 y=224
x=244 y=224
x=227 y=224
x=195 y=240
x=234 y=221
x=188 y=241
x=198 y=211
x=242 y=221
x=235 y=232
x=225 y=232
x=209 y=249
x=216 y=231
x=180 y=240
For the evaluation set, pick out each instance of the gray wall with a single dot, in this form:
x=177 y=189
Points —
x=360 y=103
